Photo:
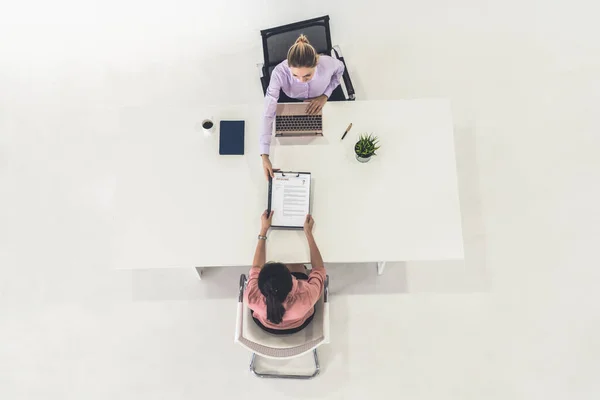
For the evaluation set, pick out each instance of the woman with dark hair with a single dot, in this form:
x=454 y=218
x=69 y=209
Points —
x=283 y=297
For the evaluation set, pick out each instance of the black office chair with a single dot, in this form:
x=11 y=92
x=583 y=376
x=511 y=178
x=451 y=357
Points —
x=277 y=41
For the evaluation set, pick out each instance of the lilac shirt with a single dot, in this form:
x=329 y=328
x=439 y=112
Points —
x=326 y=78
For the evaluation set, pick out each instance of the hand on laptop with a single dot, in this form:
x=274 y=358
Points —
x=316 y=104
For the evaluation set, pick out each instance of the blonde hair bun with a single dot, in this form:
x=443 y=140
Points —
x=302 y=54
x=302 y=39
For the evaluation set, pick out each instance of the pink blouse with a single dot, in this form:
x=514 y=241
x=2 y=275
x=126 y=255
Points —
x=299 y=304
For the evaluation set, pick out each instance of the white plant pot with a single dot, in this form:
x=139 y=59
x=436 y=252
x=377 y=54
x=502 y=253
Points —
x=362 y=159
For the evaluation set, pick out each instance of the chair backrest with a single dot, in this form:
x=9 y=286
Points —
x=250 y=336
x=277 y=41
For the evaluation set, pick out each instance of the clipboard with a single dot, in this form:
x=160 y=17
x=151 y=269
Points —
x=289 y=197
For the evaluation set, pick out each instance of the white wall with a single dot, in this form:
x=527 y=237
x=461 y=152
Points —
x=520 y=320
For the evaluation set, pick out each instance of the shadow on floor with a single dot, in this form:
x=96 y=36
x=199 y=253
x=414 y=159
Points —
x=222 y=283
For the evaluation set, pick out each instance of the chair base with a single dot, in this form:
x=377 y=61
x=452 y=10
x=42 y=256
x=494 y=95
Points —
x=285 y=376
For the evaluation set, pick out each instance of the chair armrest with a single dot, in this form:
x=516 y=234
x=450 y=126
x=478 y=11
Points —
x=326 y=328
x=239 y=322
x=349 y=86
x=239 y=317
x=337 y=52
x=263 y=79
x=241 y=289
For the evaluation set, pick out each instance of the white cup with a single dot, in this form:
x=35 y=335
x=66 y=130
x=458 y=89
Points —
x=208 y=126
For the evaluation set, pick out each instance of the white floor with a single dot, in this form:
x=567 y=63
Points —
x=519 y=320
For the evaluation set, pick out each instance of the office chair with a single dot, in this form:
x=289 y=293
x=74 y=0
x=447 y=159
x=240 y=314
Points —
x=277 y=41
x=282 y=347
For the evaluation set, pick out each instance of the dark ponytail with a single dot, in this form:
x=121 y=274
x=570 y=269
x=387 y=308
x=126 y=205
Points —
x=275 y=308
x=275 y=283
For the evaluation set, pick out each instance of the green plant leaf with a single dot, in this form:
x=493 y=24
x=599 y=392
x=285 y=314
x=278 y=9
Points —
x=367 y=145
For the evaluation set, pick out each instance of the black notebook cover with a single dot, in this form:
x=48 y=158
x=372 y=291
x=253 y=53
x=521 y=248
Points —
x=231 y=138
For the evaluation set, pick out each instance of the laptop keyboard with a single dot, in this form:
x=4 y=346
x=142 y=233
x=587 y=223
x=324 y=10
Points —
x=299 y=123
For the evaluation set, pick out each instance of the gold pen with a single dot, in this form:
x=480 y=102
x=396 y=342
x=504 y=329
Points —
x=347 y=130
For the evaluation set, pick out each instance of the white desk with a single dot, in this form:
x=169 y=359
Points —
x=181 y=204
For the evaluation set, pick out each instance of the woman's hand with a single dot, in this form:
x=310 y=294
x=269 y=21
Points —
x=265 y=222
x=316 y=104
x=309 y=222
x=267 y=167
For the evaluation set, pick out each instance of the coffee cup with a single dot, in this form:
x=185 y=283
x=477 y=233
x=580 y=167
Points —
x=208 y=127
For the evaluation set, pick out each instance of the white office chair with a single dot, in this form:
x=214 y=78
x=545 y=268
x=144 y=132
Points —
x=282 y=347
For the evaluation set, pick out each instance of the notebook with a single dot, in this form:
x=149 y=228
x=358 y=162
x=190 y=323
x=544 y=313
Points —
x=231 y=138
x=289 y=198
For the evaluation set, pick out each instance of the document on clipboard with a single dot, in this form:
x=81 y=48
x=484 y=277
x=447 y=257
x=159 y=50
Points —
x=289 y=198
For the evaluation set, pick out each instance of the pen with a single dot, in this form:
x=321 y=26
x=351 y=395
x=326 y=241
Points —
x=347 y=130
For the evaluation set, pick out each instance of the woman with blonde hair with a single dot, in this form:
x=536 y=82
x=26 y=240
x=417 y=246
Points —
x=305 y=75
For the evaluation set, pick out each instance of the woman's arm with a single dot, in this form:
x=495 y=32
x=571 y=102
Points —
x=271 y=98
x=317 y=276
x=315 y=255
x=260 y=254
x=335 y=78
x=317 y=104
x=252 y=293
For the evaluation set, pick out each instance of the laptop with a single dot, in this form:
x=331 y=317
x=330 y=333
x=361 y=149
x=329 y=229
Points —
x=291 y=120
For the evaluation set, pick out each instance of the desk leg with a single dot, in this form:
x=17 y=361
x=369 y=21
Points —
x=199 y=272
x=380 y=267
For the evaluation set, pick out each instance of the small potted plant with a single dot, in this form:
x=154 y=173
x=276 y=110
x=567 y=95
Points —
x=366 y=147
